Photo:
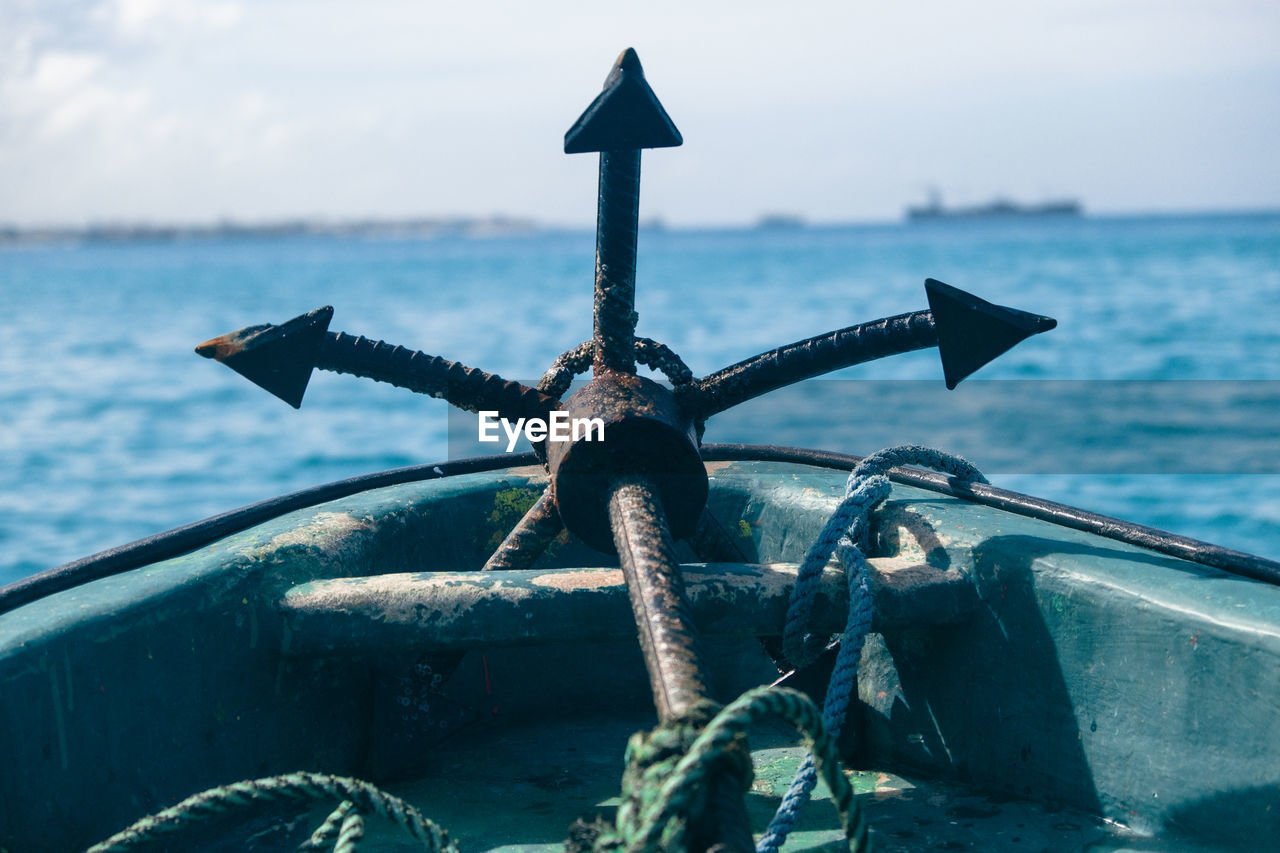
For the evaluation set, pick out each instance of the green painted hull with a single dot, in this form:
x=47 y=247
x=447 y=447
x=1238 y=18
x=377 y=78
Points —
x=1028 y=686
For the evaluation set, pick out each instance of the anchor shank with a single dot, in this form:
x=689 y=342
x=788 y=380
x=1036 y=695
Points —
x=655 y=584
x=671 y=648
x=808 y=358
x=617 y=223
x=468 y=388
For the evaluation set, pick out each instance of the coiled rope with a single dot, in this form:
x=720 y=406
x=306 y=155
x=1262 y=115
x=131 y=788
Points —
x=345 y=824
x=846 y=533
x=658 y=795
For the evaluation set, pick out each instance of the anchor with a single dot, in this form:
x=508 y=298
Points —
x=645 y=484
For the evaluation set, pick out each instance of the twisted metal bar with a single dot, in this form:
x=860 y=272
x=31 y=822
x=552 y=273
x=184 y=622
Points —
x=713 y=544
x=668 y=638
x=617 y=223
x=569 y=365
x=662 y=358
x=566 y=367
x=808 y=358
x=529 y=538
x=468 y=388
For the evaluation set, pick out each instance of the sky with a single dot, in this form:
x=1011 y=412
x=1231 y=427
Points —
x=196 y=111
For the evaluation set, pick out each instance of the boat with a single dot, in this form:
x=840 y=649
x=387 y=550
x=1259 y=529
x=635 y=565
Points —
x=1036 y=675
x=776 y=221
x=999 y=208
x=445 y=656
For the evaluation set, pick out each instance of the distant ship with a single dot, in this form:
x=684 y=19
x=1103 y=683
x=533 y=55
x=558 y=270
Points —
x=780 y=220
x=1000 y=208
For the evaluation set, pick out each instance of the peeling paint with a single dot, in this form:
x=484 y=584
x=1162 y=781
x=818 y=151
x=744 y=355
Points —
x=570 y=581
x=325 y=531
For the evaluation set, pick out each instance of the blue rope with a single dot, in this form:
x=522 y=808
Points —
x=846 y=533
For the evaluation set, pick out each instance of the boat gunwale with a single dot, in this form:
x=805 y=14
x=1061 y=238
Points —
x=188 y=537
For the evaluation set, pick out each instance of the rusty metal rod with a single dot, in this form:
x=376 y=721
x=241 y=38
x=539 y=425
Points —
x=713 y=544
x=407 y=613
x=655 y=586
x=808 y=358
x=617 y=224
x=529 y=538
x=468 y=388
x=669 y=640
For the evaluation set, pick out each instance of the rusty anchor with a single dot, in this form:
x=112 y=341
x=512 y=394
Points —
x=645 y=484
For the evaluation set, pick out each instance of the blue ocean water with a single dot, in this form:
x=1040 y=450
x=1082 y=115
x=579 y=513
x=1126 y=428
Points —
x=112 y=429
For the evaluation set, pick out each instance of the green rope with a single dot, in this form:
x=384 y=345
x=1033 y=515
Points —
x=350 y=834
x=662 y=787
x=328 y=830
x=650 y=759
x=346 y=822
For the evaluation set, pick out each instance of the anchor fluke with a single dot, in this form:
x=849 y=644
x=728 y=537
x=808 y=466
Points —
x=972 y=331
x=281 y=358
x=277 y=358
x=626 y=116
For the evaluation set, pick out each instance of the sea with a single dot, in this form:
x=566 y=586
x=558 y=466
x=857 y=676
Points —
x=1155 y=399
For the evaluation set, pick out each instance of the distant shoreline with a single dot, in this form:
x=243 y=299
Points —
x=495 y=226
x=427 y=228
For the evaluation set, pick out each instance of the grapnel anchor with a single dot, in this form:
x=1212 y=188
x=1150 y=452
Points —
x=645 y=484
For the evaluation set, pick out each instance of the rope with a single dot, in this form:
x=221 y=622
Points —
x=346 y=823
x=847 y=533
x=330 y=829
x=659 y=795
x=651 y=758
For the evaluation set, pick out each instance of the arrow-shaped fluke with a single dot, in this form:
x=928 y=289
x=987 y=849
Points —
x=277 y=358
x=281 y=359
x=972 y=331
x=626 y=116
x=968 y=331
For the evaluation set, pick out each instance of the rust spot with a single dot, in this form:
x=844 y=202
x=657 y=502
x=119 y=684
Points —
x=232 y=343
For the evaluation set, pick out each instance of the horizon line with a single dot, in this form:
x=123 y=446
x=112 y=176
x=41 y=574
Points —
x=502 y=225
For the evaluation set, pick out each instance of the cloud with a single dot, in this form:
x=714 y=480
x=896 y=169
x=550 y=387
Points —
x=72 y=67
x=92 y=100
x=156 y=21
x=203 y=108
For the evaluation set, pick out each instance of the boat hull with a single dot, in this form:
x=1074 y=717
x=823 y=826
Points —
x=1011 y=655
